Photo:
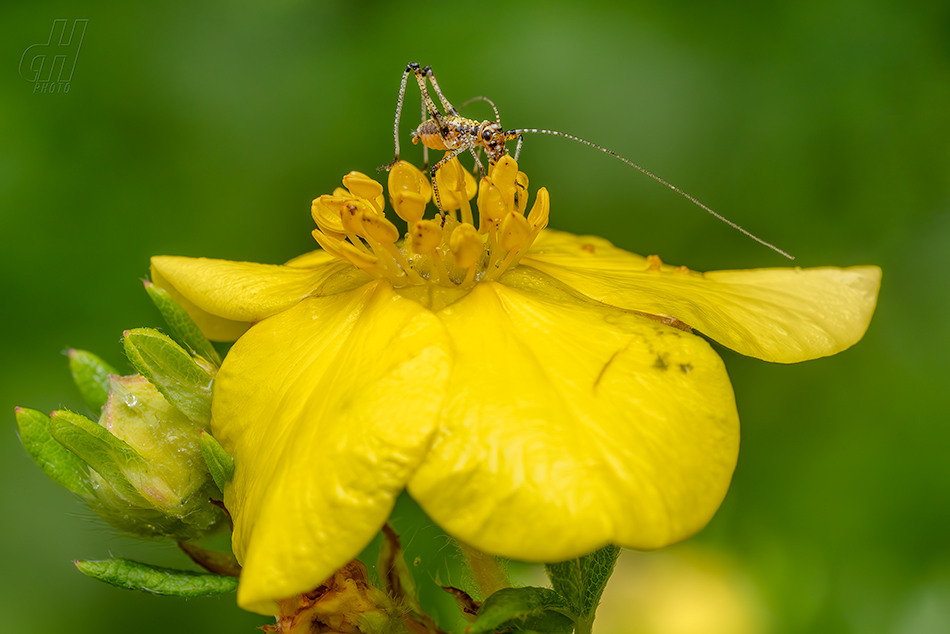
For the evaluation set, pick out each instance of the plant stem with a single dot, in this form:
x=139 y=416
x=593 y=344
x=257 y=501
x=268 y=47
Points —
x=584 y=624
x=488 y=570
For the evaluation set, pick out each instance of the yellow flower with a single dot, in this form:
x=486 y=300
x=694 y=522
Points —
x=539 y=394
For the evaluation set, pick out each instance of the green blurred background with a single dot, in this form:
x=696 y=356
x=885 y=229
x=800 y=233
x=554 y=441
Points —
x=206 y=129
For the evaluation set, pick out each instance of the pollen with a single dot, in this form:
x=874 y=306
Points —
x=456 y=251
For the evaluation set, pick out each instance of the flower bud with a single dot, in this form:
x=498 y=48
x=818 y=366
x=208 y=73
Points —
x=176 y=374
x=181 y=324
x=91 y=376
x=144 y=463
x=62 y=466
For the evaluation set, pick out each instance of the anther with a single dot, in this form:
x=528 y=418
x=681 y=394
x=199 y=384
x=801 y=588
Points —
x=466 y=246
x=540 y=211
x=326 y=213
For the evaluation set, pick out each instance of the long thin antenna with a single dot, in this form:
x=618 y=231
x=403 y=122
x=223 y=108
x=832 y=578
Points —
x=517 y=133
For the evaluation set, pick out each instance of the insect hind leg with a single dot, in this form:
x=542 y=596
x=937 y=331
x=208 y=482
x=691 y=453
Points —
x=449 y=108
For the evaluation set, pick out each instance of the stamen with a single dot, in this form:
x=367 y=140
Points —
x=362 y=186
x=409 y=206
x=409 y=192
x=352 y=224
x=426 y=236
x=326 y=213
x=540 y=212
x=514 y=233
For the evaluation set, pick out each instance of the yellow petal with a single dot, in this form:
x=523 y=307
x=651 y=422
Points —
x=324 y=433
x=223 y=297
x=311 y=259
x=782 y=315
x=569 y=425
x=214 y=327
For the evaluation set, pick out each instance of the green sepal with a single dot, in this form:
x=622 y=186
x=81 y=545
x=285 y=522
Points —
x=582 y=581
x=218 y=563
x=181 y=324
x=524 y=609
x=172 y=370
x=220 y=463
x=134 y=575
x=62 y=466
x=109 y=456
x=91 y=376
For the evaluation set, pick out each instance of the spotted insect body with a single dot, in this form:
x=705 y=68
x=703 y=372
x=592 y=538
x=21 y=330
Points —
x=455 y=134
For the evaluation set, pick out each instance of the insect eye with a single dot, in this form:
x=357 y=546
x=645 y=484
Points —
x=486 y=135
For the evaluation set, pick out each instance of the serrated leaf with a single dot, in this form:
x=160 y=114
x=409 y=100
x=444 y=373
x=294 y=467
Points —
x=220 y=463
x=91 y=376
x=109 y=456
x=134 y=575
x=581 y=581
x=62 y=466
x=530 y=609
x=172 y=370
x=181 y=324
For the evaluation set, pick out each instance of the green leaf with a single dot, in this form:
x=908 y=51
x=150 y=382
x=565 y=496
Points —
x=134 y=575
x=172 y=370
x=111 y=457
x=532 y=609
x=220 y=463
x=181 y=324
x=581 y=581
x=91 y=376
x=63 y=466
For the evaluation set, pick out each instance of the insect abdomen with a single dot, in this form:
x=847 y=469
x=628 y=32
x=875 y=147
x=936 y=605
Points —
x=454 y=133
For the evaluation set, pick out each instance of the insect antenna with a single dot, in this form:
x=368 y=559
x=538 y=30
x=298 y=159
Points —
x=490 y=103
x=517 y=134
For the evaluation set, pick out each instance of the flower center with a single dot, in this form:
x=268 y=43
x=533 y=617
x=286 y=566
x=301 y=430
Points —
x=449 y=252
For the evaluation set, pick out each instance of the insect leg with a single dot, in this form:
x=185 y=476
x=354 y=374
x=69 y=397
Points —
x=511 y=136
x=399 y=101
x=435 y=185
x=449 y=108
x=425 y=148
x=428 y=104
x=478 y=162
